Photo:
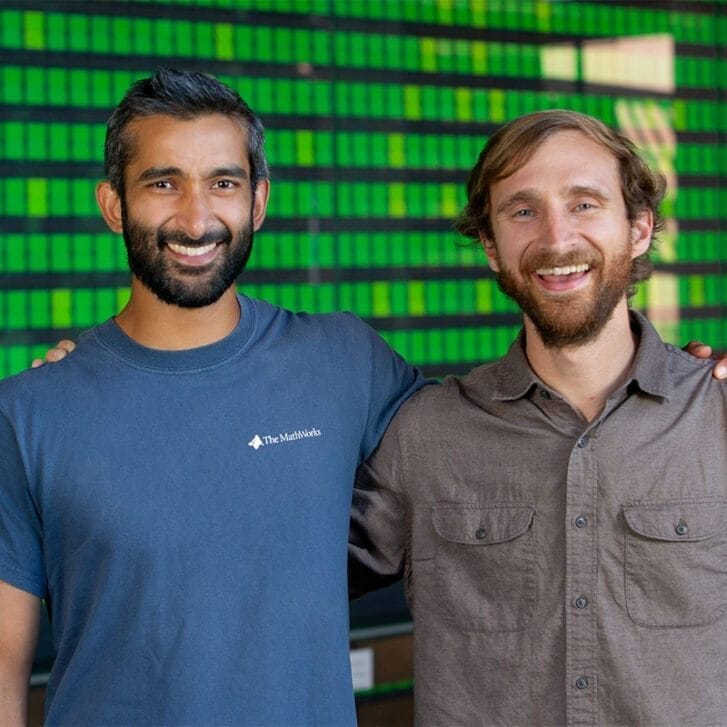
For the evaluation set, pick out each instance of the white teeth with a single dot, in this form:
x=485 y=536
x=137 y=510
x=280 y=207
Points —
x=191 y=251
x=565 y=270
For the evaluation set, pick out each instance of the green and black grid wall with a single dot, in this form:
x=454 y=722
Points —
x=375 y=111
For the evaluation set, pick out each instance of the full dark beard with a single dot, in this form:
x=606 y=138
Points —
x=186 y=286
x=569 y=320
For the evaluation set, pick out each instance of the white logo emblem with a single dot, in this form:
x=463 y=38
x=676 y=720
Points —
x=256 y=442
x=283 y=437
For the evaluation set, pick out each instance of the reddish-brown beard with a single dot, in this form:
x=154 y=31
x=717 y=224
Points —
x=569 y=319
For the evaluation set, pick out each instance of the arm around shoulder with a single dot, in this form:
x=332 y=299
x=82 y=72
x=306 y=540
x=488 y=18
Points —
x=378 y=534
x=19 y=624
x=701 y=350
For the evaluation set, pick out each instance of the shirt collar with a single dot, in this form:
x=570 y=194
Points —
x=515 y=378
x=649 y=371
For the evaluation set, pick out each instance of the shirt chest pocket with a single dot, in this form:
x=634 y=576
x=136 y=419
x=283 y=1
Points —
x=676 y=563
x=484 y=566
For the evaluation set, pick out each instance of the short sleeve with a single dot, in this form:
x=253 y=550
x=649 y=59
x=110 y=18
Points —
x=393 y=381
x=21 y=561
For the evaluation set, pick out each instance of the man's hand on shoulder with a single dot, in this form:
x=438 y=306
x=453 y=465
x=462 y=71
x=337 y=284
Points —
x=55 y=354
x=702 y=350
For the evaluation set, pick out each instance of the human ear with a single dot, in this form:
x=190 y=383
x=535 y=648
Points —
x=260 y=203
x=109 y=203
x=491 y=252
x=641 y=231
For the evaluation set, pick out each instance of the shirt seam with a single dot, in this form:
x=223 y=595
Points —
x=184 y=371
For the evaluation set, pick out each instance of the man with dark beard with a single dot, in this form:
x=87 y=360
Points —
x=559 y=515
x=178 y=489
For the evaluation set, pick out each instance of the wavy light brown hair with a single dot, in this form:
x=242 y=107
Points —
x=510 y=148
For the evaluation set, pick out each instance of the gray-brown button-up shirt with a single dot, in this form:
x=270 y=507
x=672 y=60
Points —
x=558 y=571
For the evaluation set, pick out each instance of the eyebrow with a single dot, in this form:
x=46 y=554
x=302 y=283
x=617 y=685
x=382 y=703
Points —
x=524 y=195
x=584 y=189
x=234 y=171
x=157 y=172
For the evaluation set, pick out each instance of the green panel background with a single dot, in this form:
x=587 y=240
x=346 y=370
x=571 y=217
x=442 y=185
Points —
x=375 y=112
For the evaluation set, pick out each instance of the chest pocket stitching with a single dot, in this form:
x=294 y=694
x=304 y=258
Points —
x=506 y=566
x=658 y=521
x=651 y=562
x=450 y=524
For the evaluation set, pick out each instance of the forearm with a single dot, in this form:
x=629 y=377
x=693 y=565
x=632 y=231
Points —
x=13 y=699
x=19 y=624
x=377 y=535
x=366 y=572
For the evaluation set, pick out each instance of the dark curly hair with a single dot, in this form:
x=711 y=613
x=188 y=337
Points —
x=513 y=144
x=183 y=95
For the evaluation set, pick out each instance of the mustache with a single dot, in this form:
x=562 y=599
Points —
x=222 y=235
x=545 y=259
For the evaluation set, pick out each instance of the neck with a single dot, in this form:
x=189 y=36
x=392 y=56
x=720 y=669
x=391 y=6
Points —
x=586 y=375
x=155 y=324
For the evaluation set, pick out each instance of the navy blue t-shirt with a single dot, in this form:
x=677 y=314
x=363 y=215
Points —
x=186 y=516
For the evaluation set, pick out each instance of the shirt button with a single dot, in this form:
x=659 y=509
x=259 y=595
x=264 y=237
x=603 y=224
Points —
x=480 y=533
x=681 y=528
x=581 y=602
x=580 y=521
x=581 y=683
x=545 y=394
x=582 y=442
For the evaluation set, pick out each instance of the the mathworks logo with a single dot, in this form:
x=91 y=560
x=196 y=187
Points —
x=267 y=440
x=256 y=442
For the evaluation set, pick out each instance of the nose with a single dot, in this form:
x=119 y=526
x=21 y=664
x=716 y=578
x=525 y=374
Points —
x=194 y=213
x=557 y=231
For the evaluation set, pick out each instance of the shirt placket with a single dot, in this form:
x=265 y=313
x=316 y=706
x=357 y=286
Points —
x=581 y=687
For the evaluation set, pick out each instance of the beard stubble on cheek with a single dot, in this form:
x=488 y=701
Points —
x=569 y=319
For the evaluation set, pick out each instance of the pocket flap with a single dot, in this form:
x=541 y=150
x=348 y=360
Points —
x=677 y=521
x=481 y=525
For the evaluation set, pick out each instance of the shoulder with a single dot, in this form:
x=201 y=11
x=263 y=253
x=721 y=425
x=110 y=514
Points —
x=334 y=332
x=344 y=324
x=442 y=404
x=430 y=403
x=683 y=383
x=689 y=375
x=480 y=380
x=25 y=383
x=27 y=391
x=266 y=312
x=666 y=365
x=42 y=383
x=15 y=386
x=684 y=363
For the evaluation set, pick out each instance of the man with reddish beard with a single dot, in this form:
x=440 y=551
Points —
x=178 y=489
x=559 y=515
x=182 y=498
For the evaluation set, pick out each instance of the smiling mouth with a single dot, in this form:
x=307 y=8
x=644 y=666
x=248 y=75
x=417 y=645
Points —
x=191 y=251
x=563 y=270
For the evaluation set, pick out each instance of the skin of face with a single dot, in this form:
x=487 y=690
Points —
x=189 y=210
x=563 y=244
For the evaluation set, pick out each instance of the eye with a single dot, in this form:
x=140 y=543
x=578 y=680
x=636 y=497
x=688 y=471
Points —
x=161 y=184
x=225 y=184
x=585 y=206
x=523 y=213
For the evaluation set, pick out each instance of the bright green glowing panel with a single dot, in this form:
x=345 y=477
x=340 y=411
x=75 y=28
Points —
x=375 y=110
